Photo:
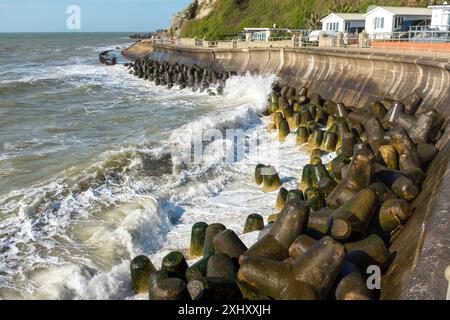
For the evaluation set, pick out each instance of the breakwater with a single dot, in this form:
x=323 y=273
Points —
x=359 y=81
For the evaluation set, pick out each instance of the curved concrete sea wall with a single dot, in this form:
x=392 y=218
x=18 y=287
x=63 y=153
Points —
x=422 y=248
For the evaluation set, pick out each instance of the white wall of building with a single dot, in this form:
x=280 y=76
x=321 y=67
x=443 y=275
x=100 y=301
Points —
x=383 y=18
x=440 y=17
x=333 y=23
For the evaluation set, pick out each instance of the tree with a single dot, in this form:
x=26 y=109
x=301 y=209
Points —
x=342 y=7
x=313 y=21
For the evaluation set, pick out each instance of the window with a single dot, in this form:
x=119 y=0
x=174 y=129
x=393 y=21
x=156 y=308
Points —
x=378 y=23
x=398 y=22
x=259 y=36
x=332 y=26
x=347 y=26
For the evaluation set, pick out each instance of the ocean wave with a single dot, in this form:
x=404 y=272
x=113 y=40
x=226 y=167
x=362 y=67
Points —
x=78 y=231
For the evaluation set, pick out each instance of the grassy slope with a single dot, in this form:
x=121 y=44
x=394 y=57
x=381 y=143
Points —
x=229 y=17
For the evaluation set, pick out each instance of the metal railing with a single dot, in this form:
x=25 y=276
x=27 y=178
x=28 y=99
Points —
x=383 y=46
x=425 y=36
x=430 y=28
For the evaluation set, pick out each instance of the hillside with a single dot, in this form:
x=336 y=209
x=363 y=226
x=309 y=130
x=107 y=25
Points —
x=221 y=19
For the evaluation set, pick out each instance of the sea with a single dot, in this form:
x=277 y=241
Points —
x=91 y=172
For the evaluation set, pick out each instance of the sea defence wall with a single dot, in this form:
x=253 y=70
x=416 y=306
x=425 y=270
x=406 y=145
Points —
x=422 y=249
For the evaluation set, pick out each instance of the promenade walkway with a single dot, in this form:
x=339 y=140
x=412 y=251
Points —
x=430 y=53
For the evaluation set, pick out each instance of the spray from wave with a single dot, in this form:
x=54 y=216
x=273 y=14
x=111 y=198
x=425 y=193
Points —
x=72 y=236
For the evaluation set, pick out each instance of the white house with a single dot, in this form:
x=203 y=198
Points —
x=264 y=34
x=341 y=22
x=440 y=19
x=383 y=19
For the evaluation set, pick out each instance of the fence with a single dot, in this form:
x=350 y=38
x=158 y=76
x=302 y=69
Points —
x=378 y=44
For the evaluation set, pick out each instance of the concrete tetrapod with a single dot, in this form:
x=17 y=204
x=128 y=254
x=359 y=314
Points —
x=291 y=222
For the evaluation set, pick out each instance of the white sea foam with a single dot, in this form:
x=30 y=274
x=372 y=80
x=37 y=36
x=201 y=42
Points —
x=77 y=239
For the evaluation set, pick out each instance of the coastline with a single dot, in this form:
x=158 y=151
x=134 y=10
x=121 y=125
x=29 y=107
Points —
x=438 y=98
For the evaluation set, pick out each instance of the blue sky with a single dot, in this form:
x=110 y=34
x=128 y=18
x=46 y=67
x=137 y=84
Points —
x=96 y=15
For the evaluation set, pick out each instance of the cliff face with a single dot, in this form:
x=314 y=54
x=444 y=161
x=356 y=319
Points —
x=198 y=9
x=224 y=19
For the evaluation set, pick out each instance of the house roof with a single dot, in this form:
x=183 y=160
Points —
x=346 y=16
x=440 y=6
x=404 y=11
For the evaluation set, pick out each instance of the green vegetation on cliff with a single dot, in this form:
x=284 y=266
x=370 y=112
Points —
x=229 y=17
